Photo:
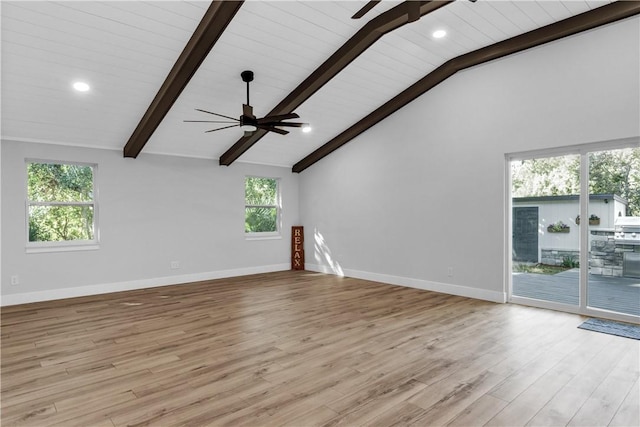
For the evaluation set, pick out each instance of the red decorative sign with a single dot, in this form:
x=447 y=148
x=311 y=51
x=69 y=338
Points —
x=297 y=248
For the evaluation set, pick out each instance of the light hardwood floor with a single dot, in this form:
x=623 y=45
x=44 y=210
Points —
x=301 y=348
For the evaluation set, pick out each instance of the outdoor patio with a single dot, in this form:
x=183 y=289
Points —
x=620 y=294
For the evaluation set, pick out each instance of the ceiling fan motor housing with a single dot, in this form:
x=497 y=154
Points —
x=248 y=123
x=248 y=120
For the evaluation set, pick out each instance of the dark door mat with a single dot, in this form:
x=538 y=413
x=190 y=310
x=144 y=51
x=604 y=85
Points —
x=610 y=327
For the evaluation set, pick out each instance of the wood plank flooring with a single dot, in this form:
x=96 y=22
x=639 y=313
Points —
x=306 y=349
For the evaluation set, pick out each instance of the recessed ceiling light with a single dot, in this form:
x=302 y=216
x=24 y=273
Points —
x=306 y=128
x=438 y=34
x=81 y=86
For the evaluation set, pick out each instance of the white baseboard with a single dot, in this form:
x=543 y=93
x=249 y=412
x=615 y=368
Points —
x=54 y=294
x=105 y=288
x=463 y=291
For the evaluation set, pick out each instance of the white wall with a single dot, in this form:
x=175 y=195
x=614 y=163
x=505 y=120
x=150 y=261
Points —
x=620 y=209
x=550 y=212
x=153 y=210
x=424 y=190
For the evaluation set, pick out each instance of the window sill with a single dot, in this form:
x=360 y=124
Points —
x=70 y=248
x=259 y=237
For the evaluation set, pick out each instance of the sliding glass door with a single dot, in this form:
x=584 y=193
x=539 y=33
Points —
x=575 y=230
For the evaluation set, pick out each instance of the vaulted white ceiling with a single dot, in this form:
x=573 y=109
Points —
x=125 y=49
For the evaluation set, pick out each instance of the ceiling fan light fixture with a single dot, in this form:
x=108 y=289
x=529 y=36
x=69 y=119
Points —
x=438 y=34
x=248 y=128
x=306 y=128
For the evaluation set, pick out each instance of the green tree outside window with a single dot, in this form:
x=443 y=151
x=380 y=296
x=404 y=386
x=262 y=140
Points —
x=610 y=172
x=261 y=205
x=61 y=205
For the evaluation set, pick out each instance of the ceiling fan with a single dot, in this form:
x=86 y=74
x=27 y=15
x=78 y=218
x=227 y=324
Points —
x=250 y=123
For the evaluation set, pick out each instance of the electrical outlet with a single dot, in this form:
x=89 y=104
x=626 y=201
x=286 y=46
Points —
x=15 y=280
x=450 y=271
x=175 y=265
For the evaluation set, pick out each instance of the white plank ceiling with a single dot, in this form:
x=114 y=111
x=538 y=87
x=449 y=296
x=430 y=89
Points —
x=125 y=49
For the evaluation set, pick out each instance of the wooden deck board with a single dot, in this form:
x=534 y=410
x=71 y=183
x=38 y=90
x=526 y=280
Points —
x=301 y=348
x=619 y=294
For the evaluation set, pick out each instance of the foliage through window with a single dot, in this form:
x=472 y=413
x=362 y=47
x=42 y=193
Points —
x=610 y=172
x=61 y=203
x=261 y=205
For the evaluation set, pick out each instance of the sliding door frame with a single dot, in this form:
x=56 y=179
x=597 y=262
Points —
x=583 y=150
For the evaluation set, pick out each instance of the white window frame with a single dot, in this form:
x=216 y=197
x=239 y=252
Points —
x=65 y=245
x=264 y=235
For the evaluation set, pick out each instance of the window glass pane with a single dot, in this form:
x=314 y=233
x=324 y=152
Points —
x=617 y=172
x=260 y=220
x=49 y=182
x=60 y=223
x=545 y=236
x=260 y=191
x=614 y=231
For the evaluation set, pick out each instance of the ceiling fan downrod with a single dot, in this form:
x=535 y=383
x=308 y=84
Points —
x=247 y=77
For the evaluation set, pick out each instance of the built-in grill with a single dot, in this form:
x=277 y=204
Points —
x=627 y=240
x=627 y=230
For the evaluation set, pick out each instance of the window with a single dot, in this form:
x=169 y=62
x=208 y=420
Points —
x=262 y=211
x=61 y=205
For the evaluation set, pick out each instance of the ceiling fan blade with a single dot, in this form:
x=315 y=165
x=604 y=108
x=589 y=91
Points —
x=273 y=129
x=284 y=124
x=278 y=117
x=207 y=121
x=226 y=127
x=366 y=8
x=247 y=110
x=216 y=114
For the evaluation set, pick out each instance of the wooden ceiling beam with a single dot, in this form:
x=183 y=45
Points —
x=366 y=8
x=361 y=41
x=567 y=27
x=205 y=36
